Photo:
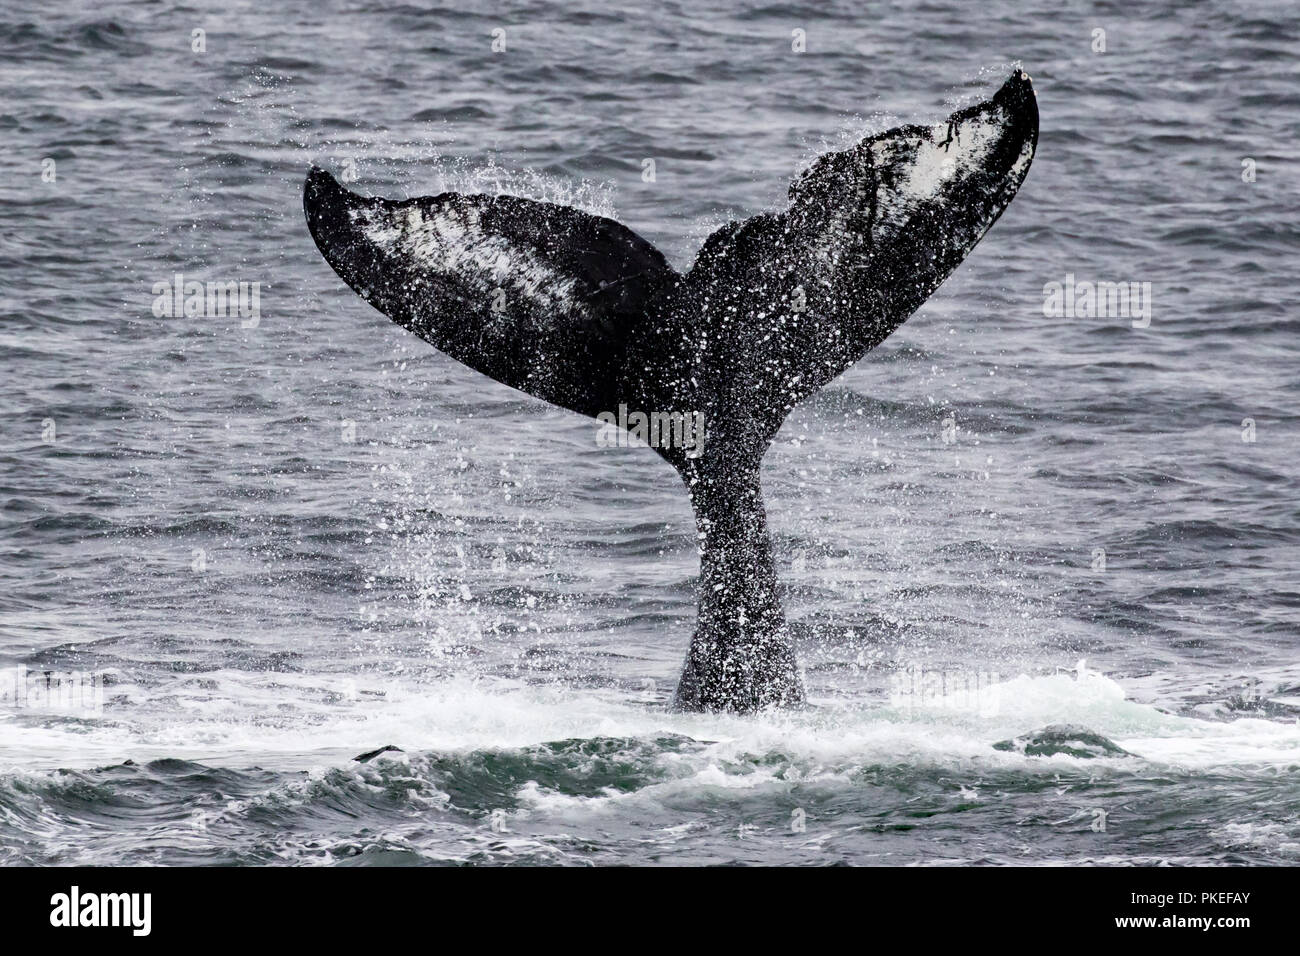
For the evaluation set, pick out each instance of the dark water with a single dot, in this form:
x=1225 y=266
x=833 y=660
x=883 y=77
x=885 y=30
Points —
x=184 y=520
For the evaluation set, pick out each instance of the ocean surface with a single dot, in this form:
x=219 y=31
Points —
x=1042 y=569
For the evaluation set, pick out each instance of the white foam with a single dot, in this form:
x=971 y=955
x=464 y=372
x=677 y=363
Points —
x=298 y=721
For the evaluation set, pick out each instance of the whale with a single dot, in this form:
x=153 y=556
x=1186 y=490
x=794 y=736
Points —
x=578 y=310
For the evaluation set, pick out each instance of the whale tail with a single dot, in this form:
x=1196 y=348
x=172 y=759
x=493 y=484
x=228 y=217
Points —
x=580 y=311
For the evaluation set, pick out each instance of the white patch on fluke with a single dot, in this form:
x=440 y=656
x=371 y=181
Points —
x=950 y=153
x=452 y=241
x=1021 y=165
x=919 y=169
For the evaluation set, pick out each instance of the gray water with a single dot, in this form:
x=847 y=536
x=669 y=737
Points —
x=260 y=548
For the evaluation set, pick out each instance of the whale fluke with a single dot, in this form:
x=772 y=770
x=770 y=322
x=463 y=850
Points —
x=535 y=295
x=580 y=311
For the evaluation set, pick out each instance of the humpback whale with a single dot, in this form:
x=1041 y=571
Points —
x=580 y=311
